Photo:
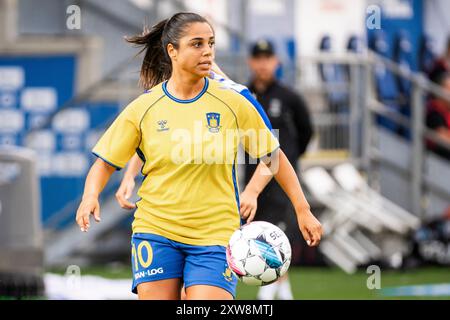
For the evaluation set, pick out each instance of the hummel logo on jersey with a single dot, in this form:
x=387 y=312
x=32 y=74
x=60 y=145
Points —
x=162 y=125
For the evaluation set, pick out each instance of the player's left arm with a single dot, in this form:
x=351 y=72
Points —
x=127 y=185
x=285 y=175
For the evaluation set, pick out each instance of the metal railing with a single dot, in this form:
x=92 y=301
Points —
x=421 y=87
x=334 y=106
x=363 y=109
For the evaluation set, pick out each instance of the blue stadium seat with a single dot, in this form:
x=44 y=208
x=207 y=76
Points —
x=354 y=44
x=333 y=74
x=30 y=116
x=426 y=56
x=403 y=55
x=385 y=83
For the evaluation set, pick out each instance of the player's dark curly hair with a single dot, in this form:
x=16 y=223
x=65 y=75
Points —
x=157 y=66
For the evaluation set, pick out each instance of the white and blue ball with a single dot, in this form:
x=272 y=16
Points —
x=259 y=253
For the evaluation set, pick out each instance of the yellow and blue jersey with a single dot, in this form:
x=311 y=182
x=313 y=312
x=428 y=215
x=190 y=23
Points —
x=189 y=148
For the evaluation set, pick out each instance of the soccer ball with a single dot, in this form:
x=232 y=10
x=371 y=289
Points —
x=258 y=253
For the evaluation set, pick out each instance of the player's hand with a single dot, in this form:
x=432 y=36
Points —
x=310 y=227
x=89 y=205
x=124 y=193
x=249 y=203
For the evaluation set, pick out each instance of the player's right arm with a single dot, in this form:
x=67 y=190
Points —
x=114 y=149
x=96 y=180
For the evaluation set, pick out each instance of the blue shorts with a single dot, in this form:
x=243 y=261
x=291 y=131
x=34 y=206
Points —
x=155 y=257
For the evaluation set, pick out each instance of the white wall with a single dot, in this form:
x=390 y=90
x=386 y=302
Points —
x=338 y=18
x=271 y=19
x=437 y=22
x=216 y=12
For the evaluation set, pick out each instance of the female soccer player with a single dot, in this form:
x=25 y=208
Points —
x=187 y=130
x=248 y=200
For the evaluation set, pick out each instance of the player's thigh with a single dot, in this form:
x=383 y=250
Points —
x=206 y=273
x=206 y=292
x=168 y=289
x=158 y=267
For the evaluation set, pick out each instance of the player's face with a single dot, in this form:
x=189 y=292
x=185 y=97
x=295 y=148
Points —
x=263 y=67
x=195 y=53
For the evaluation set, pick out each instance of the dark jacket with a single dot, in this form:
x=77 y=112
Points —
x=287 y=112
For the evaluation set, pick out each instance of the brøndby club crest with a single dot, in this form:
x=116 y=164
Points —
x=213 y=120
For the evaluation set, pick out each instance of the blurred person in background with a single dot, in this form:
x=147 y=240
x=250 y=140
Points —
x=438 y=116
x=187 y=213
x=288 y=113
x=441 y=65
